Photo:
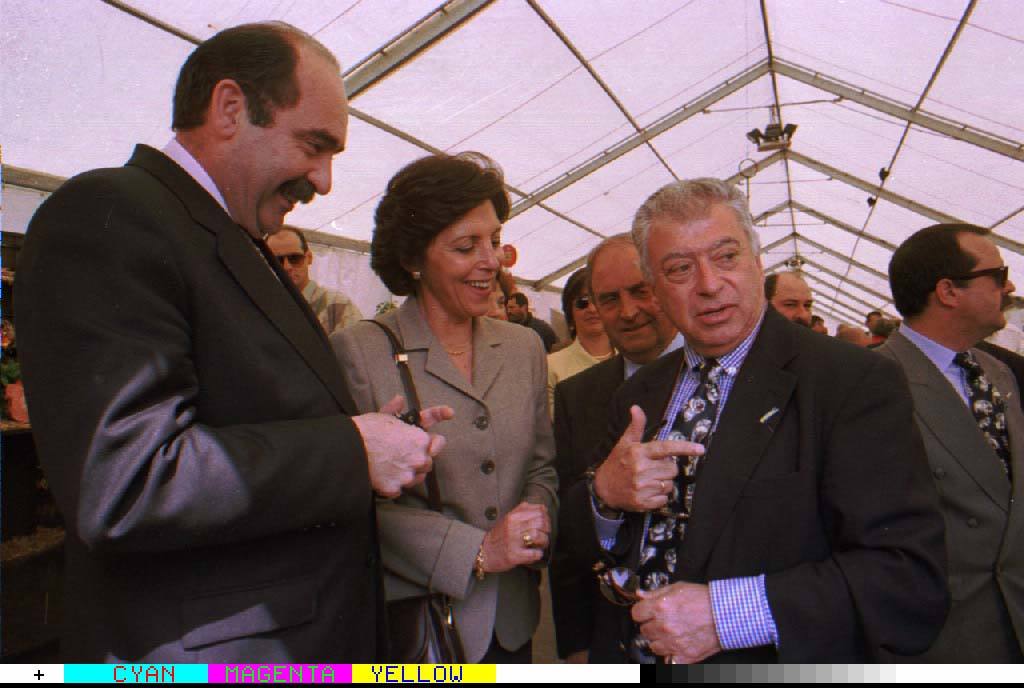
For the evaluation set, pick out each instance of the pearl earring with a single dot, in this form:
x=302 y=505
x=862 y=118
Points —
x=416 y=274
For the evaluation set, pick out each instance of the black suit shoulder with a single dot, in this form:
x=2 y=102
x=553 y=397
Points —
x=606 y=375
x=1013 y=361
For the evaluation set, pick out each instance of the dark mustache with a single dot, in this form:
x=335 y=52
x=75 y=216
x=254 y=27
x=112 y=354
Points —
x=300 y=190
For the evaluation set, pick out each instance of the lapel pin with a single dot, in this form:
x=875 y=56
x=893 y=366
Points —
x=765 y=418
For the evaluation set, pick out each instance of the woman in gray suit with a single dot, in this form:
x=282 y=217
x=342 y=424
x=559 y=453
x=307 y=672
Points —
x=437 y=240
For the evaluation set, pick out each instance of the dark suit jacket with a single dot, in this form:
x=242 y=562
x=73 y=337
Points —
x=829 y=497
x=193 y=424
x=543 y=331
x=984 y=512
x=581 y=421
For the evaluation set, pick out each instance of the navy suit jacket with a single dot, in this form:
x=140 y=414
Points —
x=581 y=421
x=829 y=496
x=194 y=426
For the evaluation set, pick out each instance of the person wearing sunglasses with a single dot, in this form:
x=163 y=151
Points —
x=590 y=344
x=950 y=284
x=333 y=309
x=763 y=495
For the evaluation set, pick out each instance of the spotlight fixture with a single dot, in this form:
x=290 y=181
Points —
x=795 y=262
x=872 y=200
x=774 y=137
x=883 y=173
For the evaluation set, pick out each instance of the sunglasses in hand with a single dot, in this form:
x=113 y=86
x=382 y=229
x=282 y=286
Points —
x=618 y=584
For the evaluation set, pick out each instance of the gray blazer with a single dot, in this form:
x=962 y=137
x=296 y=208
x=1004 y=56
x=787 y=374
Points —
x=499 y=452
x=984 y=514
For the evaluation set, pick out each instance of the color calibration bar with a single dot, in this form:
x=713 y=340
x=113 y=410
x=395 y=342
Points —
x=504 y=673
x=317 y=673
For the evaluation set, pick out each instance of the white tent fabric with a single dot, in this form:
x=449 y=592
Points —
x=589 y=106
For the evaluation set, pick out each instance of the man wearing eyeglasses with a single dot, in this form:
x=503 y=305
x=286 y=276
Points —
x=333 y=309
x=950 y=283
x=764 y=496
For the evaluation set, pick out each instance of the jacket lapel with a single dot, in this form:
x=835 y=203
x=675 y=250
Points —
x=945 y=415
x=487 y=360
x=603 y=389
x=268 y=286
x=762 y=384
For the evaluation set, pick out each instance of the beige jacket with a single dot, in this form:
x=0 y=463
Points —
x=499 y=452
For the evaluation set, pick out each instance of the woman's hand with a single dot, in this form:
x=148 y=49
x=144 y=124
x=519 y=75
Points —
x=519 y=538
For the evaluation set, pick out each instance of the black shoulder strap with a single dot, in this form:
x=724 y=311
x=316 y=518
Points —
x=412 y=415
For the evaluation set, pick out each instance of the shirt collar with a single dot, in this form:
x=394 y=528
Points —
x=936 y=353
x=179 y=154
x=630 y=367
x=731 y=361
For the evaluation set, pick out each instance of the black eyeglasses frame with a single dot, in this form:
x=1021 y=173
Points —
x=1001 y=275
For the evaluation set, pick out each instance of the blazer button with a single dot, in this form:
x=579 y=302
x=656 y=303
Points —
x=940 y=473
x=482 y=422
x=487 y=467
x=972 y=522
x=491 y=513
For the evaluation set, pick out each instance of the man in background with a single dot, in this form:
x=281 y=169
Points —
x=333 y=309
x=854 y=335
x=789 y=294
x=518 y=306
x=640 y=331
x=949 y=283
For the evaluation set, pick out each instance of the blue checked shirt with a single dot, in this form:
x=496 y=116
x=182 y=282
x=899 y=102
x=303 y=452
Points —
x=739 y=605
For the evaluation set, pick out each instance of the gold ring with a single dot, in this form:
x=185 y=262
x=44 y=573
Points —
x=662 y=483
x=527 y=540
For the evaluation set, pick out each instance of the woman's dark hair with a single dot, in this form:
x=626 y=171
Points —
x=424 y=198
x=575 y=287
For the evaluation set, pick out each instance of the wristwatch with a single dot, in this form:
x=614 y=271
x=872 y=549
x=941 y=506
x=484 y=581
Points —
x=608 y=512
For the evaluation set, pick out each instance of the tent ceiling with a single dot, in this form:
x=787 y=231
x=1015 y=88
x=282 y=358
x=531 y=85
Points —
x=589 y=106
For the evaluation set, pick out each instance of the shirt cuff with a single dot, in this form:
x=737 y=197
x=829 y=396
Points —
x=607 y=529
x=742 y=616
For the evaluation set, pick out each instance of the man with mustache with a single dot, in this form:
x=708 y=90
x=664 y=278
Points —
x=333 y=309
x=762 y=495
x=950 y=283
x=194 y=425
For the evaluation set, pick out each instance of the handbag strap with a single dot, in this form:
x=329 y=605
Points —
x=412 y=416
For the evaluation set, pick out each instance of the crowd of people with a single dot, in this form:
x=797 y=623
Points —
x=709 y=476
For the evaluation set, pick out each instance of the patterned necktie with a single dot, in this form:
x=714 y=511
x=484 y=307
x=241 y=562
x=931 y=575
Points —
x=988 y=407
x=667 y=526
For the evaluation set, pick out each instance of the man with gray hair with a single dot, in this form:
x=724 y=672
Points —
x=780 y=539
